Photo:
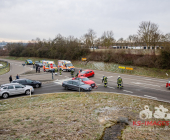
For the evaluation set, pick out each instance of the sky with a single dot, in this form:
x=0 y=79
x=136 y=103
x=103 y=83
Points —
x=24 y=20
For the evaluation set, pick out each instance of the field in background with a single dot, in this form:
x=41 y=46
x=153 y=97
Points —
x=112 y=67
x=74 y=116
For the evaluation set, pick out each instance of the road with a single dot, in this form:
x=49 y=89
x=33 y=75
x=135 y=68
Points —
x=152 y=88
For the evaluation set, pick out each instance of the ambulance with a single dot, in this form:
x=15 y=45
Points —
x=47 y=67
x=65 y=65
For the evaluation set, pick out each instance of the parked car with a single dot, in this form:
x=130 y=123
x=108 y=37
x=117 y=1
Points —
x=86 y=73
x=168 y=84
x=75 y=85
x=33 y=83
x=7 y=90
x=85 y=80
x=28 y=62
x=38 y=64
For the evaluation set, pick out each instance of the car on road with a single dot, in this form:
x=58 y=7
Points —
x=168 y=85
x=76 y=85
x=39 y=64
x=32 y=83
x=28 y=62
x=85 y=80
x=7 y=90
x=86 y=73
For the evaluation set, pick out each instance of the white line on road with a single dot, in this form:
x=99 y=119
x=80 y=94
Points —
x=128 y=91
x=150 y=97
x=138 y=83
x=98 y=84
x=110 y=87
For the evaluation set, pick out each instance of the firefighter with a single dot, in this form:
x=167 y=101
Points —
x=60 y=71
x=80 y=70
x=77 y=75
x=56 y=69
x=119 y=81
x=72 y=73
x=105 y=81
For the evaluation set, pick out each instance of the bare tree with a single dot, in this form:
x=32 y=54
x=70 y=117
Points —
x=90 y=38
x=149 y=33
x=107 y=39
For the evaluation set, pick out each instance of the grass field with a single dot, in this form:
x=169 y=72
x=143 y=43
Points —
x=112 y=67
x=76 y=117
x=4 y=70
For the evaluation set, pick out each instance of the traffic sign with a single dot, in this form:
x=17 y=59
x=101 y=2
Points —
x=120 y=67
x=129 y=68
x=51 y=65
x=84 y=59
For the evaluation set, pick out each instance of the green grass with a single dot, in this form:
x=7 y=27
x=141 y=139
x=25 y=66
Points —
x=4 y=70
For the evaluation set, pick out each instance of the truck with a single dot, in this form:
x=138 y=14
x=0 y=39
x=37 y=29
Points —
x=65 y=65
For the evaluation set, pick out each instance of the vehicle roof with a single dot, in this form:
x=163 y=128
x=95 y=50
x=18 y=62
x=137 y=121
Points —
x=21 y=79
x=10 y=84
x=82 y=77
x=65 y=61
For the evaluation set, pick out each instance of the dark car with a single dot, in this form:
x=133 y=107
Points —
x=39 y=64
x=75 y=85
x=28 y=62
x=32 y=83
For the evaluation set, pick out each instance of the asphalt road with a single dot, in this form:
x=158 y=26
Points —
x=152 y=88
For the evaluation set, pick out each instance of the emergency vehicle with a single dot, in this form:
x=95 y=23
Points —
x=65 y=65
x=47 y=67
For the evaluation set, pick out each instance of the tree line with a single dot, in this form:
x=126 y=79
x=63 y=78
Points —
x=73 y=48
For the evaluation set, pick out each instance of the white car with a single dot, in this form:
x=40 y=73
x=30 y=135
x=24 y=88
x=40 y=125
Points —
x=7 y=90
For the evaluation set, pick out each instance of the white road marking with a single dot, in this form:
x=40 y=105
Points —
x=138 y=83
x=150 y=97
x=61 y=81
x=98 y=84
x=109 y=76
x=110 y=87
x=128 y=91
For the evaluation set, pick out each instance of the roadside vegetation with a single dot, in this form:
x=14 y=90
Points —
x=74 y=116
x=4 y=70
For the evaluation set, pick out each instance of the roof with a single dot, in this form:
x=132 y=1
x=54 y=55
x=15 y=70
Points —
x=9 y=84
x=87 y=70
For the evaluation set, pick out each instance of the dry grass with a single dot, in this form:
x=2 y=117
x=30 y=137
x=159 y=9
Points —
x=73 y=116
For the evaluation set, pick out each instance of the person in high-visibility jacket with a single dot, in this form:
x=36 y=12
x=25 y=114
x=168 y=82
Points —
x=60 y=71
x=119 y=81
x=72 y=73
x=77 y=75
x=105 y=81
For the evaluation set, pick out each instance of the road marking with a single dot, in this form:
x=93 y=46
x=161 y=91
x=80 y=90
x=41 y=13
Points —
x=150 y=97
x=110 y=87
x=98 y=84
x=61 y=81
x=138 y=83
x=109 y=76
x=128 y=91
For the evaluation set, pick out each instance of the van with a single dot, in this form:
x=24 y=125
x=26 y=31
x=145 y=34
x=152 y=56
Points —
x=47 y=67
x=65 y=65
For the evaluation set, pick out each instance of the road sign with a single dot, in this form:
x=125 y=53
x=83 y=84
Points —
x=51 y=65
x=84 y=59
x=129 y=68
x=120 y=67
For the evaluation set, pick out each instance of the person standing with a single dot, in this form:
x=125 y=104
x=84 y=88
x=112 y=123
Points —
x=105 y=81
x=10 y=78
x=36 y=68
x=17 y=77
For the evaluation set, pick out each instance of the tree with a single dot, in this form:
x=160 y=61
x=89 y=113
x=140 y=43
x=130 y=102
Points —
x=90 y=38
x=149 y=33
x=107 y=39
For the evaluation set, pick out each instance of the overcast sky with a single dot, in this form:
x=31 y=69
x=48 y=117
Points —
x=29 y=19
